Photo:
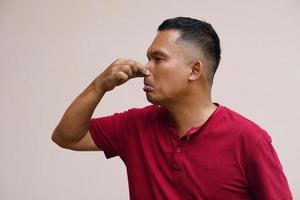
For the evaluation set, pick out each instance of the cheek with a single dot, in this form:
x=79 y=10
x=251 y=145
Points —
x=172 y=83
x=168 y=76
x=162 y=76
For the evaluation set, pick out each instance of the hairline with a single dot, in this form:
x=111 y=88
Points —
x=202 y=55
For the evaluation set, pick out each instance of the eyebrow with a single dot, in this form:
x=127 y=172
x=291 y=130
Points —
x=156 y=53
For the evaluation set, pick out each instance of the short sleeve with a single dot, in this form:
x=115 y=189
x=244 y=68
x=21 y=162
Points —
x=110 y=133
x=265 y=173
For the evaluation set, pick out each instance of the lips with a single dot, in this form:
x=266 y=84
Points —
x=148 y=87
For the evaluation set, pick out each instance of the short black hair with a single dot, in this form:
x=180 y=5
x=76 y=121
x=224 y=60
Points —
x=199 y=33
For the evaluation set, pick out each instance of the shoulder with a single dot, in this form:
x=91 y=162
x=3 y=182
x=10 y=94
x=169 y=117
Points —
x=147 y=112
x=130 y=116
x=150 y=109
x=241 y=127
x=242 y=133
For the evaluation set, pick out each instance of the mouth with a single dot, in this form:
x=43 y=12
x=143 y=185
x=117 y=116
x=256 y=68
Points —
x=148 y=87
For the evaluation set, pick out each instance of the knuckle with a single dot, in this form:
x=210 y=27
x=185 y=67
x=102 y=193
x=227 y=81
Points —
x=113 y=70
x=126 y=68
x=120 y=59
x=131 y=62
x=123 y=76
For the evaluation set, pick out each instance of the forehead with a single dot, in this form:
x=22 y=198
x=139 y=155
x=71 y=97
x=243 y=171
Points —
x=165 y=41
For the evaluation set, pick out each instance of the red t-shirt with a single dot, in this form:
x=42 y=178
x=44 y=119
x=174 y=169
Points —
x=227 y=158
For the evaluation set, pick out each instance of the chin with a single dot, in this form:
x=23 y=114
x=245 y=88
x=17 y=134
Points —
x=156 y=100
x=153 y=100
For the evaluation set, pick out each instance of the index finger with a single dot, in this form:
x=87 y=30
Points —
x=139 y=69
x=142 y=69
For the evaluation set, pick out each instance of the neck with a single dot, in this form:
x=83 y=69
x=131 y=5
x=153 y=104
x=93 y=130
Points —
x=190 y=113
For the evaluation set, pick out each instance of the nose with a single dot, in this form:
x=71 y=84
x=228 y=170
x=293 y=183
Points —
x=148 y=66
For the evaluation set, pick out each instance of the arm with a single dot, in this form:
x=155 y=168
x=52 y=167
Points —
x=72 y=131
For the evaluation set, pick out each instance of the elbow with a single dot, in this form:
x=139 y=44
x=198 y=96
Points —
x=60 y=138
x=56 y=138
x=53 y=137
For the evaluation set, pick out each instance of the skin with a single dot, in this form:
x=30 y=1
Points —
x=174 y=78
x=178 y=81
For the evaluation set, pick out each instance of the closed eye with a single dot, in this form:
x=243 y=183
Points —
x=157 y=56
x=159 y=59
x=156 y=59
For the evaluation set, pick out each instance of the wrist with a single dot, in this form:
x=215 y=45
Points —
x=97 y=87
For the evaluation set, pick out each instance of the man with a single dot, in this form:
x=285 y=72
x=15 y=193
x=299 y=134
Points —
x=184 y=146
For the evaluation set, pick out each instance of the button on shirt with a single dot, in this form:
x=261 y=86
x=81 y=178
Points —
x=228 y=157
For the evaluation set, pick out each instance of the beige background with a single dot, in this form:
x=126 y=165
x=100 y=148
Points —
x=51 y=50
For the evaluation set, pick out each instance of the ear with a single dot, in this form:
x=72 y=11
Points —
x=196 y=70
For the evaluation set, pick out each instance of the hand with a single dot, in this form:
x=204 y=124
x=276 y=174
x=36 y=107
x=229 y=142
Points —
x=120 y=72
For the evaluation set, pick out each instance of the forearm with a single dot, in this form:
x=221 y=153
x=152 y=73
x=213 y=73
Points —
x=75 y=121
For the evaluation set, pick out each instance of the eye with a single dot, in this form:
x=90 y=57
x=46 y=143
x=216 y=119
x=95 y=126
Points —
x=158 y=59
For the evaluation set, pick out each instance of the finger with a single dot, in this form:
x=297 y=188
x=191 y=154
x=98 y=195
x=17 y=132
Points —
x=138 y=69
x=143 y=71
x=128 y=70
x=122 y=77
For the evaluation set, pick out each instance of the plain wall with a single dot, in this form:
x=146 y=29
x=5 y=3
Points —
x=51 y=50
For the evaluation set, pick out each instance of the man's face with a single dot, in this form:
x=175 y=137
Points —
x=169 y=71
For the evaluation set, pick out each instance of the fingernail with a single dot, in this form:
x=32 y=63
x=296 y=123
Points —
x=147 y=72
